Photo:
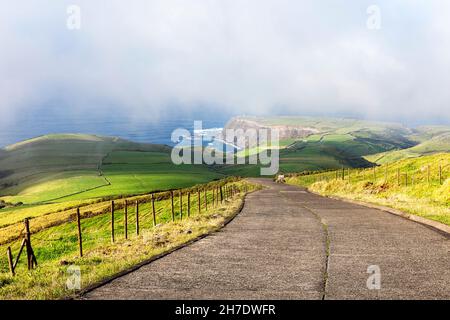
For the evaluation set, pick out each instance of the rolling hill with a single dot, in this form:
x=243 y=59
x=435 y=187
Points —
x=311 y=143
x=431 y=140
x=56 y=168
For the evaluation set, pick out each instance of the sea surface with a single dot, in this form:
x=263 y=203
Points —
x=138 y=130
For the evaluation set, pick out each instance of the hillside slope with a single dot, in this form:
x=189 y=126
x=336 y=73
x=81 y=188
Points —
x=420 y=186
x=64 y=167
x=432 y=140
x=311 y=143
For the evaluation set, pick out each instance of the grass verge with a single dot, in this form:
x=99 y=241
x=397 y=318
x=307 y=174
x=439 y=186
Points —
x=411 y=185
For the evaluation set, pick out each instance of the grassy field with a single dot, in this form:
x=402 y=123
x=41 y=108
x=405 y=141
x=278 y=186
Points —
x=60 y=168
x=51 y=174
x=412 y=185
x=56 y=246
x=134 y=172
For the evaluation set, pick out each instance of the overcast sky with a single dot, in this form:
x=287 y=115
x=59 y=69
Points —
x=147 y=58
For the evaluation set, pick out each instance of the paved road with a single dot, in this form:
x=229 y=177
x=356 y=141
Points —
x=290 y=244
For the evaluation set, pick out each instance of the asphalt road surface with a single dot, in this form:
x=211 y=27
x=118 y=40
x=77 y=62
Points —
x=290 y=244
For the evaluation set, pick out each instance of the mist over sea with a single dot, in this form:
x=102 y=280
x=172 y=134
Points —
x=138 y=130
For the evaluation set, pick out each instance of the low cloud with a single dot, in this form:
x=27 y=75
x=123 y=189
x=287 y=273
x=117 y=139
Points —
x=149 y=58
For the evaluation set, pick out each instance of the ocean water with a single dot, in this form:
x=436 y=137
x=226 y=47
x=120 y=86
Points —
x=138 y=130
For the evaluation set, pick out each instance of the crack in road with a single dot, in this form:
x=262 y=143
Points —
x=327 y=244
x=327 y=250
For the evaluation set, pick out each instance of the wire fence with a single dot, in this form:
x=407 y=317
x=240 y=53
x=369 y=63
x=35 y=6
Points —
x=430 y=174
x=119 y=221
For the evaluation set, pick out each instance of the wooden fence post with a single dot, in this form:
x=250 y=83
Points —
x=181 y=205
x=10 y=261
x=28 y=244
x=112 y=221
x=126 y=219
x=221 y=194
x=153 y=211
x=173 y=209
x=80 y=239
x=199 y=201
x=343 y=173
x=406 y=179
x=206 y=199
x=217 y=196
x=24 y=242
x=440 y=174
x=189 y=204
x=137 y=217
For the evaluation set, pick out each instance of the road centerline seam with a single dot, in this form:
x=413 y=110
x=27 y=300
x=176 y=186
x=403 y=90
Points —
x=326 y=231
